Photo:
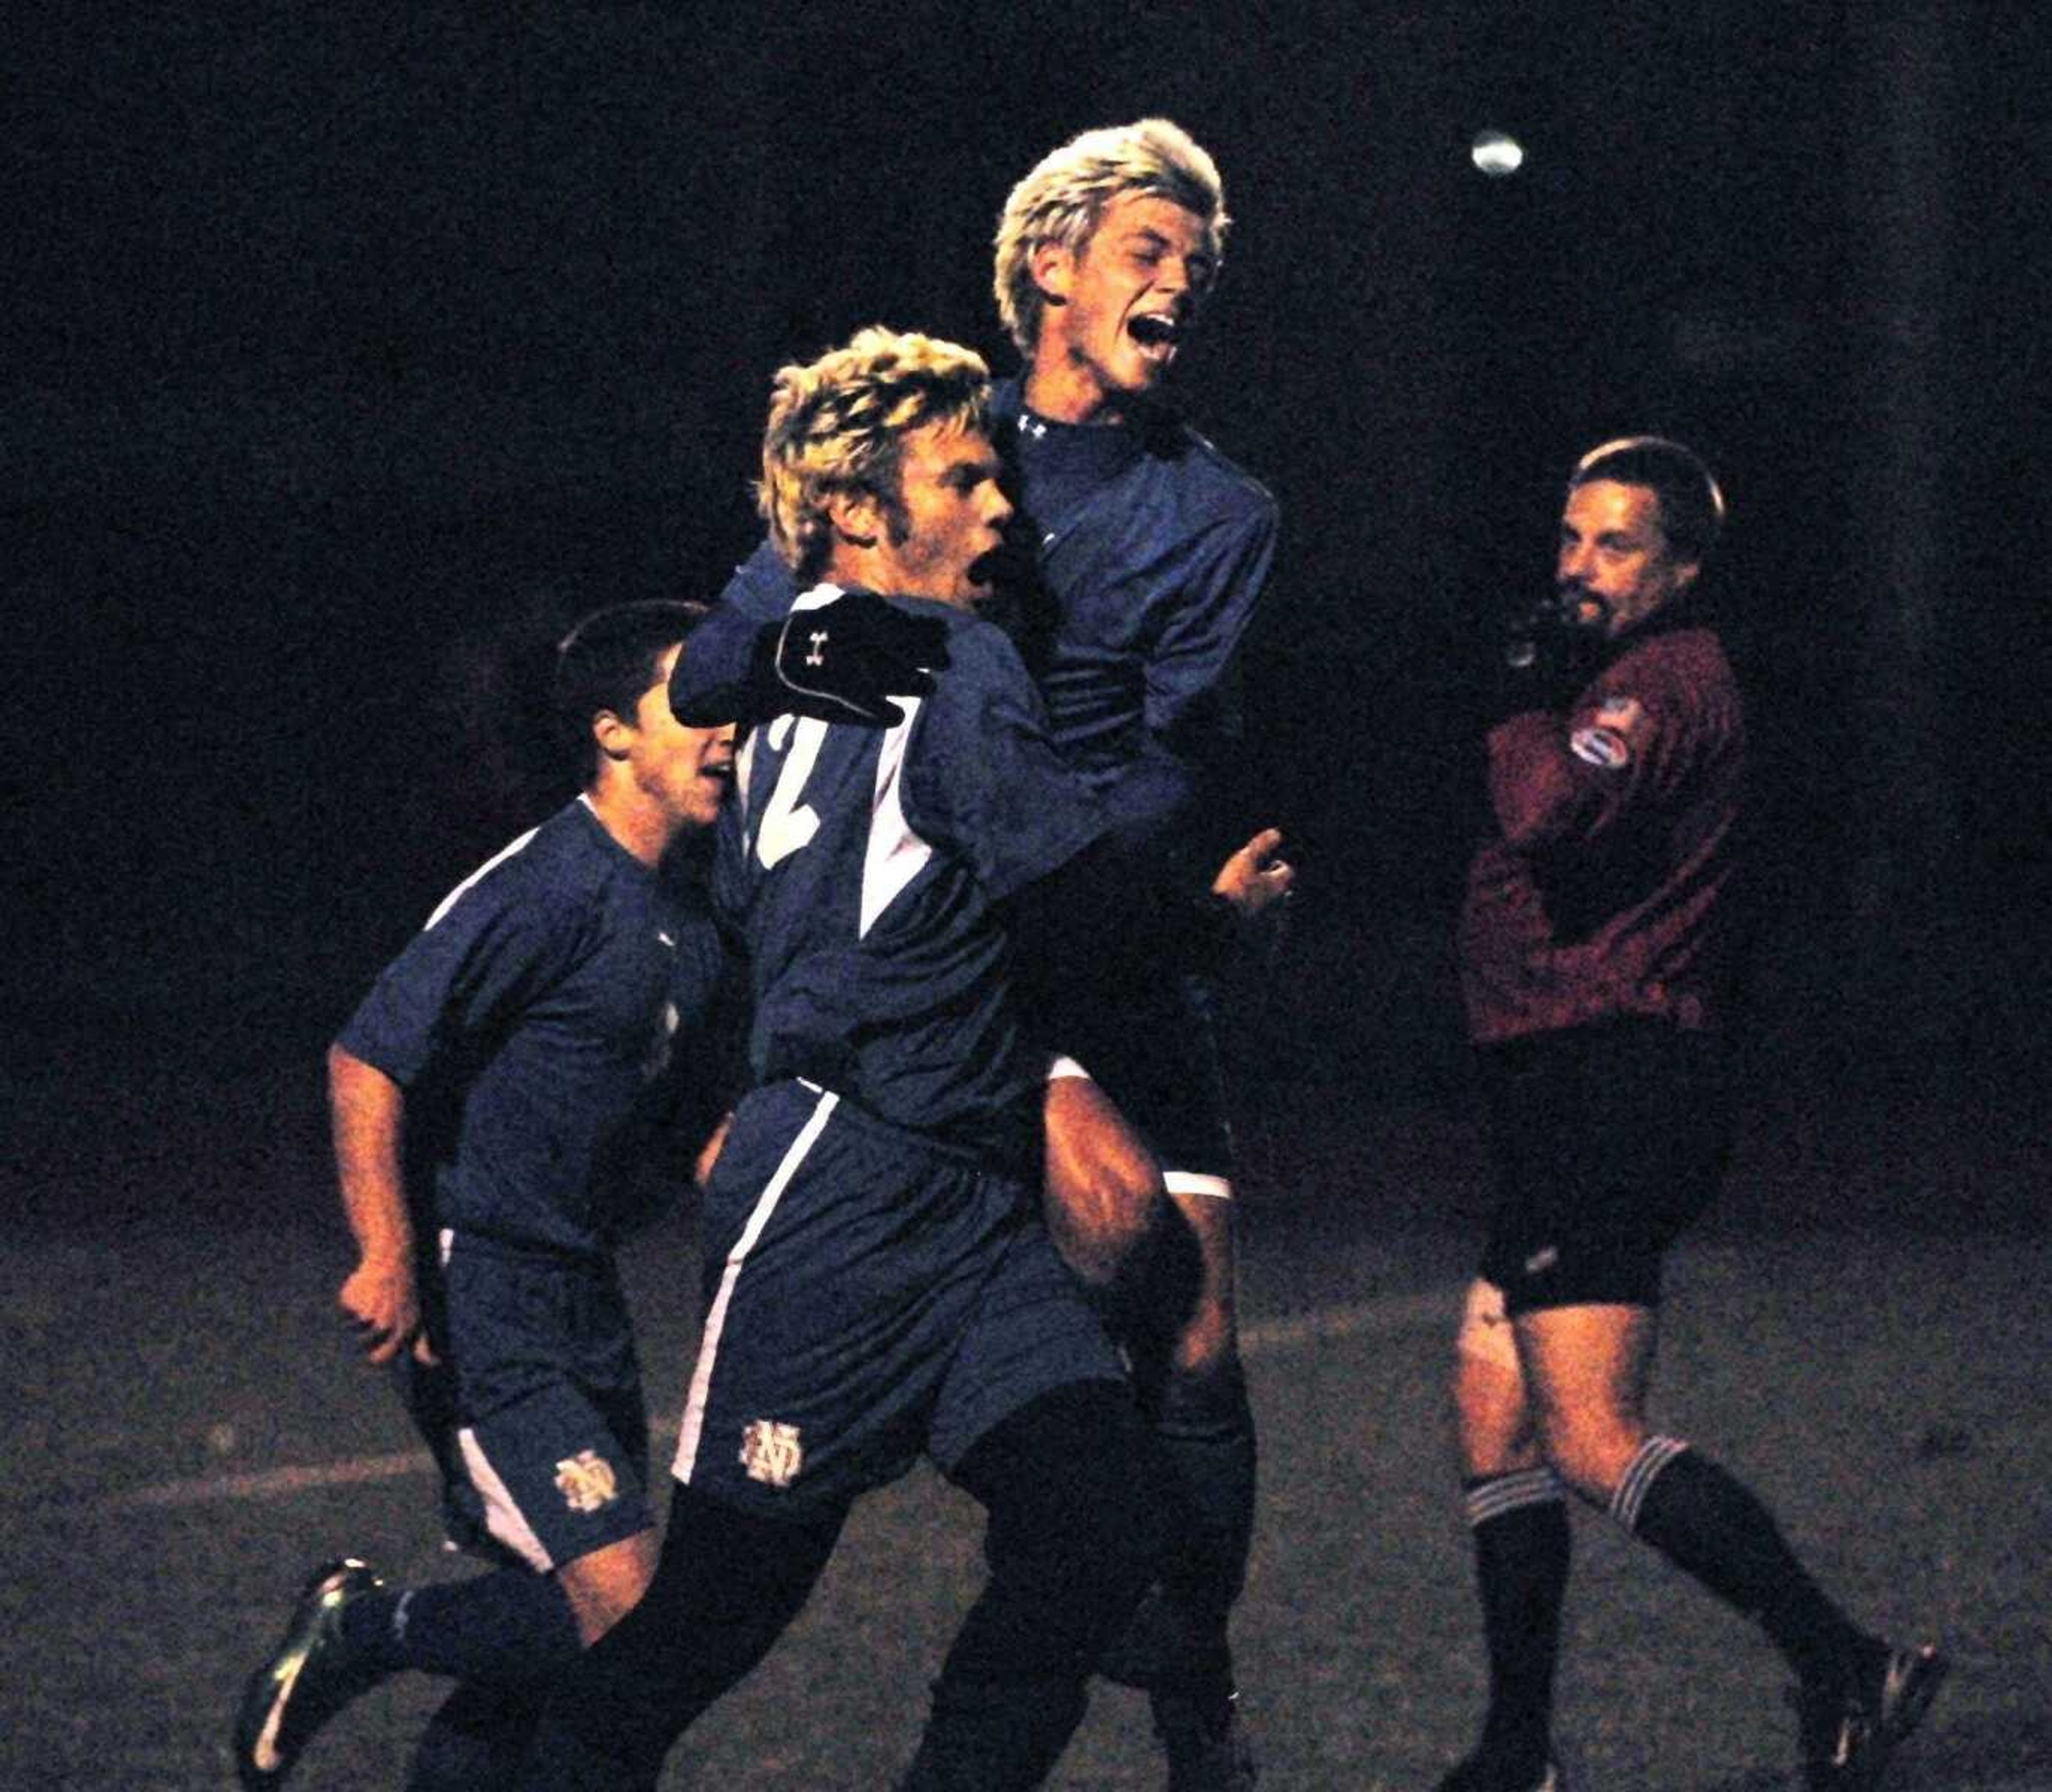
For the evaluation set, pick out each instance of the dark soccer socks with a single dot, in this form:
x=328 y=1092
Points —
x=510 y=1624
x=1523 y=1545
x=1709 y=1525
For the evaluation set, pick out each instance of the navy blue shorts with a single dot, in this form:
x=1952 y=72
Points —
x=869 y=1295
x=536 y=1414
x=1607 y=1143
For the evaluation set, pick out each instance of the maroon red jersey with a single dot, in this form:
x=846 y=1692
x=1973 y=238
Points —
x=1604 y=889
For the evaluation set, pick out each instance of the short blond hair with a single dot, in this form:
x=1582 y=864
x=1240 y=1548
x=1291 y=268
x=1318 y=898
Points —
x=837 y=426
x=1061 y=201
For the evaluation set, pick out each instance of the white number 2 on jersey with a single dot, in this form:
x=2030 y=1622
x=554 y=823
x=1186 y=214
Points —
x=787 y=823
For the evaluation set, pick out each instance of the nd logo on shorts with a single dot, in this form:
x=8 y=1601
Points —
x=771 y=1453
x=586 y=1481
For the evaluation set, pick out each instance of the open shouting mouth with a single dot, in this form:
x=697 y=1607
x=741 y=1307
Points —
x=1156 y=333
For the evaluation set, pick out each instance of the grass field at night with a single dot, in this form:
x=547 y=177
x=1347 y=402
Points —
x=1856 y=1331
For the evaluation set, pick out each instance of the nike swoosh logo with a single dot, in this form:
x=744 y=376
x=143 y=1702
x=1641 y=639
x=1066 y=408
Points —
x=265 y=1752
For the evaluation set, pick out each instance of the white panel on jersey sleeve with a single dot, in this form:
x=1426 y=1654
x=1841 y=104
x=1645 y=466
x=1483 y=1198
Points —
x=894 y=855
x=497 y=859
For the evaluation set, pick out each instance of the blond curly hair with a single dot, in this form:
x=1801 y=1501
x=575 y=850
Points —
x=1061 y=201
x=837 y=426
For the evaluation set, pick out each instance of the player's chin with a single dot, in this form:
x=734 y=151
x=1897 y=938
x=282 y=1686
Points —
x=708 y=792
x=983 y=574
x=1145 y=365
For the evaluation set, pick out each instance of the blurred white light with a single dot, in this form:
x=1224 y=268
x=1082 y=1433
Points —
x=1495 y=153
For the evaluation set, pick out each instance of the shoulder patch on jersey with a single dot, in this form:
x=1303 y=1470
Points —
x=1603 y=748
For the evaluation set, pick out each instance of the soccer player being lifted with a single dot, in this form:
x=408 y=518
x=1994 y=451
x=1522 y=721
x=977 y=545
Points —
x=1143 y=551
x=1151 y=550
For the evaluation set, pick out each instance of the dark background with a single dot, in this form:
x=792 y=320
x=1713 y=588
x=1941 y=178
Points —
x=350 y=351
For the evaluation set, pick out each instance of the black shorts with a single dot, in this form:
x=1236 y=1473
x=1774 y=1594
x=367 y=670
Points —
x=1607 y=1143
x=1154 y=1050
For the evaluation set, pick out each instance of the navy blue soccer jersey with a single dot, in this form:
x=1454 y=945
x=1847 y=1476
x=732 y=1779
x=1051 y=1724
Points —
x=865 y=868
x=543 y=1004
x=1154 y=549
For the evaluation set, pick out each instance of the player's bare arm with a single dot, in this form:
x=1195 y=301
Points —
x=367 y=1113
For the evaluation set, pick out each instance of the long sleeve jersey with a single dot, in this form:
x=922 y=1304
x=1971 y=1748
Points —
x=1605 y=887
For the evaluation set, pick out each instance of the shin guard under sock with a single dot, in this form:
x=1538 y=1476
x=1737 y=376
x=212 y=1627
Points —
x=510 y=1624
x=1523 y=1546
x=1709 y=1525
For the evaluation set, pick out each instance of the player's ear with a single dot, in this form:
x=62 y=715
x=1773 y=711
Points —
x=615 y=738
x=856 y=517
x=1054 y=269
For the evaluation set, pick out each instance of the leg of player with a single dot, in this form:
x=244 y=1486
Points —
x=1163 y=1255
x=1078 y=1521
x=1588 y=1368
x=604 y=1585
x=349 y=1630
x=1517 y=1515
x=727 y=1584
x=500 y=1633
x=477 y=1738
x=1196 y=1399
x=1104 y=1202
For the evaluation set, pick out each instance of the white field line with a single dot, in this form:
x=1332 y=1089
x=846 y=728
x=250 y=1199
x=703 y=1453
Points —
x=1391 y=1313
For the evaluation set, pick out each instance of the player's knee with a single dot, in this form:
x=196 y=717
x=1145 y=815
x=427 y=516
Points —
x=1493 y=1427
x=1590 y=1449
x=604 y=1585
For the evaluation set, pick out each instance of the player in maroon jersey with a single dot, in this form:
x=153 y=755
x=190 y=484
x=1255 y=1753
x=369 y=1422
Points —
x=1597 y=943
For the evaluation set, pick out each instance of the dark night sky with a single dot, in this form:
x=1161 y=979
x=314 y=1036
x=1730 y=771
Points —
x=351 y=350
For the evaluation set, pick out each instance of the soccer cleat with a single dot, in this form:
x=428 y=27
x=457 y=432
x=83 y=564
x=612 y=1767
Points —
x=1479 y=1773
x=309 y=1677
x=1848 y=1733
x=1204 y=1754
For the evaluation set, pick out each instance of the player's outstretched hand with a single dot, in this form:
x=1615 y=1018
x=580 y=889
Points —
x=384 y=1311
x=844 y=660
x=1254 y=880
